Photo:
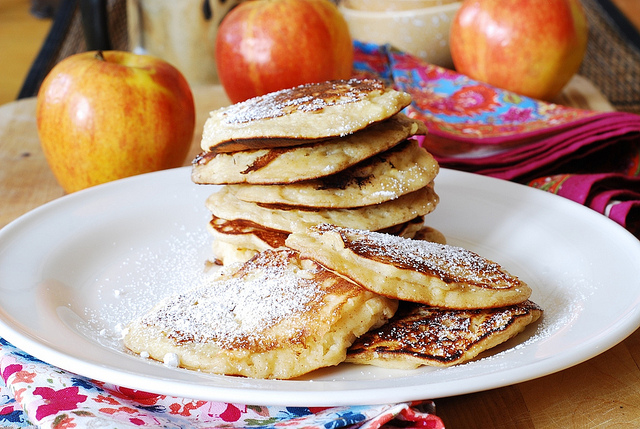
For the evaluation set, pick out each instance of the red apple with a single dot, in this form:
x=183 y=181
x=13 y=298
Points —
x=530 y=47
x=267 y=45
x=103 y=116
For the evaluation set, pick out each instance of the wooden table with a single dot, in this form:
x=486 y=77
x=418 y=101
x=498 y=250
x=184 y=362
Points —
x=604 y=391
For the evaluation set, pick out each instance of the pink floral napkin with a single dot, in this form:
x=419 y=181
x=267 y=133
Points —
x=590 y=157
x=34 y=394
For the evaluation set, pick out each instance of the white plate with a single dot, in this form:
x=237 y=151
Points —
x=73 y=271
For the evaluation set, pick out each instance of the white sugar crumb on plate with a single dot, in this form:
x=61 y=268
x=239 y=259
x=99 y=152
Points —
x=171 y=360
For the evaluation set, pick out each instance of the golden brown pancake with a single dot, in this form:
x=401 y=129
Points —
x=238 y=240
x=428 y=233
x=224 y=205
x=422 y=335
x=295 y=116
x=400 y=170
x=278 y=316
x=268 y=166
x=411 y=270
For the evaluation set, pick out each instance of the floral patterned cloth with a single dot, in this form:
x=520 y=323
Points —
x=590 y=157
x=38 y=395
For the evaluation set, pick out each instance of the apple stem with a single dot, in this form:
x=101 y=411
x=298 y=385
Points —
x=100 y=56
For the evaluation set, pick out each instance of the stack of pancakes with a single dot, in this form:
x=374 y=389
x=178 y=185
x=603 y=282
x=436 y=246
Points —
x=324 y=198
x=337 y=152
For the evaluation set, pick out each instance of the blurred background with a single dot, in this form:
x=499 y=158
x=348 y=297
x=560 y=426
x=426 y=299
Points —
x=21 y=36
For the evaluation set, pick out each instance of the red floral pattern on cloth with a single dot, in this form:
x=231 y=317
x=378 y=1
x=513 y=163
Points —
x=587 y=156
x=38 y=395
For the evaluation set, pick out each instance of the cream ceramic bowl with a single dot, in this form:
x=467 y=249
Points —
x=387 y=5
x=423 y=32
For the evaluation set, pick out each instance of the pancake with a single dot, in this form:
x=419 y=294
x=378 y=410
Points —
x=294 y=116
x=411 y=270
x=428 y=233
x=402 y=169
x=422 y=335
x=239 y=240
x=278 y=316
x=406 y=229
x=227 y=253
x=224 y=205
x=309 y=161
x=246 y=233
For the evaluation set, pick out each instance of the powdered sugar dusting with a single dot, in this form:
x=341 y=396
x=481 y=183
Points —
x=449 y=263
x=171 y=360
x=142 y=277
x=237 y=308
x=303 y=98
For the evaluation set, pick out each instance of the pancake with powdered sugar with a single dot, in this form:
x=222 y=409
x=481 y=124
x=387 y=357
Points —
x=238 y=240
x=411 y=270
x=299 y=115
x=278 y=316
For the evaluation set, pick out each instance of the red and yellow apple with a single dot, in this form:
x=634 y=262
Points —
x=267 y=45
x=530 y=47
x=103 y=116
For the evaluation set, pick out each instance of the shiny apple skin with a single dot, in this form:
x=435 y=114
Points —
x=102 y=118
x=267 y=45
x=531 y=47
